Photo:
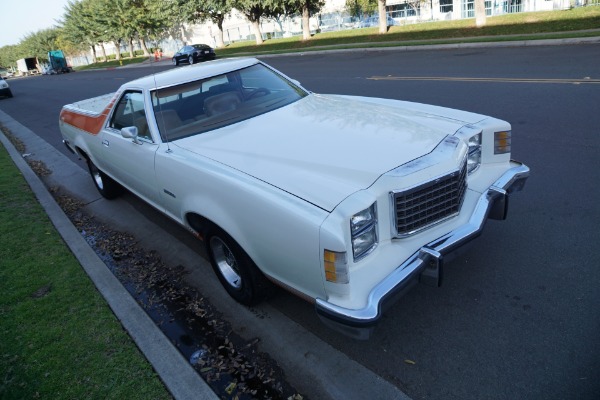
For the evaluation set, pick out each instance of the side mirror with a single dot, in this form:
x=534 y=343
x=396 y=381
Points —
x=131 y=132
x=295 y=82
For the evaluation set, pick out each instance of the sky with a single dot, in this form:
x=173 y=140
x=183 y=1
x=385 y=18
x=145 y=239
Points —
x=18 y=18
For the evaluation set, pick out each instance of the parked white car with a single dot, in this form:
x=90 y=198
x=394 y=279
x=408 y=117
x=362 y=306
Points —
x=344 y=201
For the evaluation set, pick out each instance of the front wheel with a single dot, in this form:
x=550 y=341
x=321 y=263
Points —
x=236 y=271
x=108 y=187
x=191 y=59
x=175 y=61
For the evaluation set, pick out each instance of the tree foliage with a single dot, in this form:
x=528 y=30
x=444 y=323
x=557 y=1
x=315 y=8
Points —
x=306 y=8
x=361 y=8
x=215 y=11
x=254 y=10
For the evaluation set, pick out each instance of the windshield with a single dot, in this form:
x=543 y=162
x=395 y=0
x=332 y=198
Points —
x=201 y=106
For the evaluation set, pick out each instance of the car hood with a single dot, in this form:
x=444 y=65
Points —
x=323 y=148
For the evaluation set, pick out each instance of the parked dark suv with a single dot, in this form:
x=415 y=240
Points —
x=193 y=53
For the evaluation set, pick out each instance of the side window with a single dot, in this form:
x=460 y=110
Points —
x=216 y=81
x=129 y=111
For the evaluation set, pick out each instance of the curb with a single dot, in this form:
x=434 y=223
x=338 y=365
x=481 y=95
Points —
x=423 y=45
x=445 y=46
x=177 y=374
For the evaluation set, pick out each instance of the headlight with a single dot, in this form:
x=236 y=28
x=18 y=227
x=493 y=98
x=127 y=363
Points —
x=363 y=228
x=474 y=159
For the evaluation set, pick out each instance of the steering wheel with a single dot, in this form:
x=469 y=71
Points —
x=256 y=91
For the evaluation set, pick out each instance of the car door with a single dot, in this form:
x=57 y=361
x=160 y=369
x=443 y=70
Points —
x=182 y=54
x=177 y=55
x=131 y=161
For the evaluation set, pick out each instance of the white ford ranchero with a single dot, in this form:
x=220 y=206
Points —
x=345 y=201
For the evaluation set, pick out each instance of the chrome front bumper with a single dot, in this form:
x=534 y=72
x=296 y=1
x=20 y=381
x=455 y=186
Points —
x=426 y=264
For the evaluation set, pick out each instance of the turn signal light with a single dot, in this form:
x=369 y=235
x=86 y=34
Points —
x=502 y=142
x=336 y=267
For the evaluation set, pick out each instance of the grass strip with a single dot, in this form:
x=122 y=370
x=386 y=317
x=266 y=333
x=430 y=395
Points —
x=58 y=337
x=517 y=26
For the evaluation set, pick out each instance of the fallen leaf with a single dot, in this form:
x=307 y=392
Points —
x=230 y=388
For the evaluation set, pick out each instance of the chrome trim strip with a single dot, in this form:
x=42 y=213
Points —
x=433 y=252
x=443 y=150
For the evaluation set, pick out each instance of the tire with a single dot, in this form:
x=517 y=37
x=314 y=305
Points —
x=191 y=60
x=175 y=61
x=237 y=273
x=108 y=187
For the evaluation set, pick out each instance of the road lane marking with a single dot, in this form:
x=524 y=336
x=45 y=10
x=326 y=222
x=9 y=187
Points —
x=586 y=80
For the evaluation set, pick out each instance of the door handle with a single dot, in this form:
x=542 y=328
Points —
x=105 y=143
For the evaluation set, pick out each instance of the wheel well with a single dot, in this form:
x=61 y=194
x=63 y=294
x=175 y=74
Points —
x=82 y=153
x=199 y=224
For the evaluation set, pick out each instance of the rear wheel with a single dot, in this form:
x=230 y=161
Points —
x=107 y=186
x=236 y=271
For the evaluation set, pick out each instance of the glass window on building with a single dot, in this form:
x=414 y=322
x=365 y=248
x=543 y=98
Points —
x=468 y=8
x=513 y=6
x=403 y=10
x=446 y=6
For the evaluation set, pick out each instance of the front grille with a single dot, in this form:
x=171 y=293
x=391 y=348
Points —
x=428 y=204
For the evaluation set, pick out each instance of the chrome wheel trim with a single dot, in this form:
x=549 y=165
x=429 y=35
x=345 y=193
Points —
x=97 y=177
x=226 y=262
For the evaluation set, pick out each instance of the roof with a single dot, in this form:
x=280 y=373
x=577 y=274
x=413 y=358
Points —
x=190 y=73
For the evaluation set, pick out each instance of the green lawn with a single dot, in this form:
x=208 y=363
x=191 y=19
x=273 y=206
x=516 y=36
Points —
x=521 y=24
x=58 y=337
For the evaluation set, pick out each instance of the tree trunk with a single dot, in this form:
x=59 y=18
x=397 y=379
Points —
x=117 y=44
x=257 y=32
x=183 y=37
x=130 y=47
x=382 y=16
x=305 y=21
x=219 y=36
x=94 y=58
x=103 y=52
x=480 y=13
x=144 y=47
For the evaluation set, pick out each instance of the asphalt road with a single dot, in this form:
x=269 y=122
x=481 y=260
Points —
x=518 y=316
